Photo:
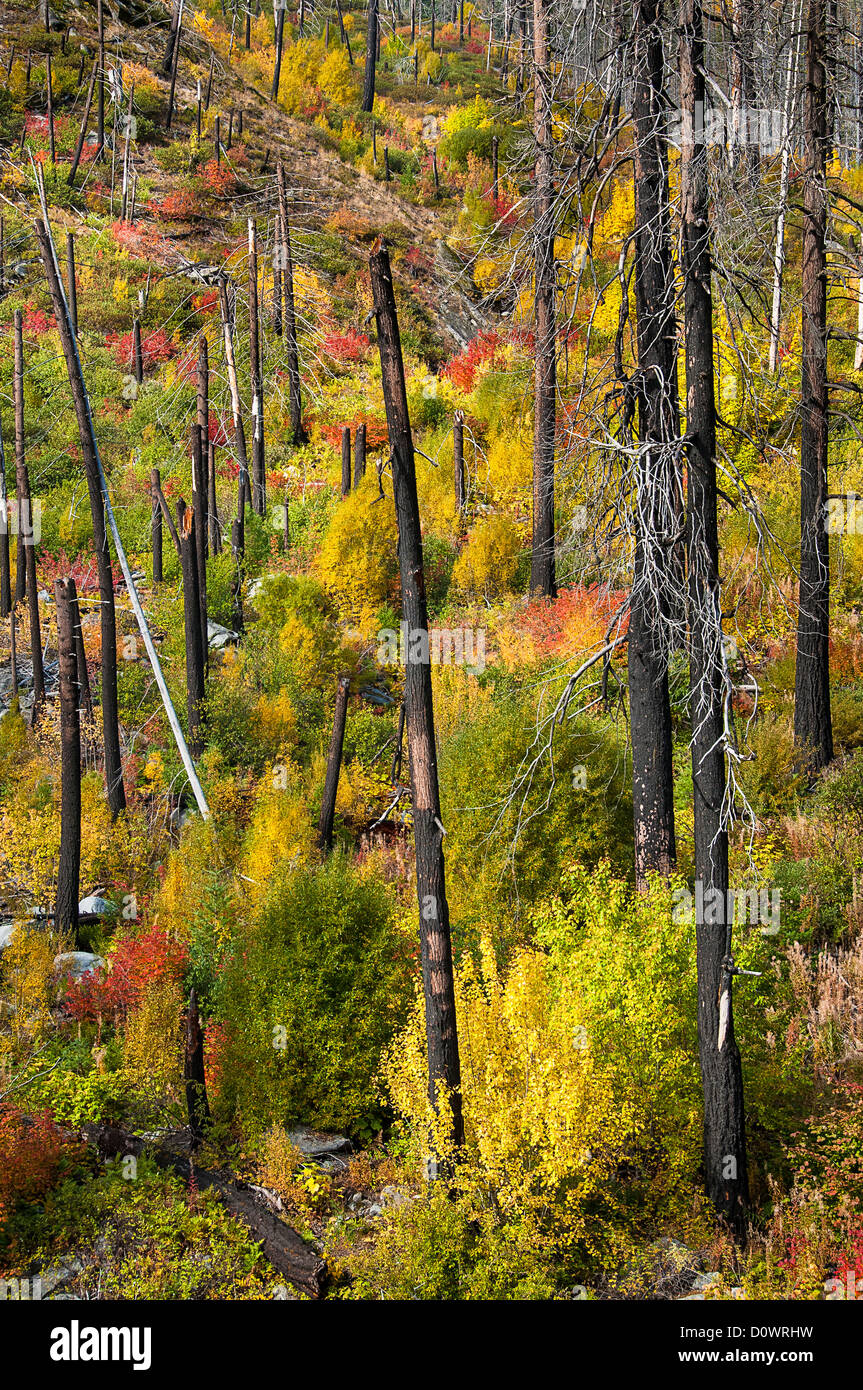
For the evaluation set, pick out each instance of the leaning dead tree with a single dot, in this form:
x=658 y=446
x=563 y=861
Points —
x=444 y=1071
x=813 y=732
x=334 y=763
x=102 y=511
x=289 y=318
x=725 y=1166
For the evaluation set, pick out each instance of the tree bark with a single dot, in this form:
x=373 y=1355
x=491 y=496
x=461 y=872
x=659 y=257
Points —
x=458 y=459
x=346 y=460
x=656 y=517
x=197 y=1104
x=334 y=764
x=813 y=730
x=69 y=863
x=360 y=455
x=543 y=579
x=5 y=567
x=371 y=57
x=156 y=527
x=444 y=1072
x=725 y=1166
x=110 y=727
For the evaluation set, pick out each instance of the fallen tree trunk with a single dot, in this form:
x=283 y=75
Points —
x=286 y=1251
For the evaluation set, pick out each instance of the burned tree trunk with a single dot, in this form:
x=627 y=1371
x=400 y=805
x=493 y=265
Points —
x=280 y=37
x=69 y=864
x=156 y=526
x=73 y=288
x=724 y=1121
x=202 y=410
x=26 y=528
x=199 y=491
x=334 y=764
x=192 y=621
x=360 y=455
x=5 y=567
x=76 y=158
x=371 y=57
x=194 y=1075
x=542 y=567
x=813 y=728
x=259 y=477
x=656 y=518
x=298 y=434
x=346 y=460
x=458 y=459
x=85 y=698
x=110 y=728
x=444 y=1073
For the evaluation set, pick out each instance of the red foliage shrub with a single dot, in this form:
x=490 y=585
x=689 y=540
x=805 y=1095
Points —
x=578 y=616
x=36 y=321
x=156 y=347
x=207 y=302
x=461 y=369
x=376 y=432
x=82 y=569
x=175 y=207
x=137 y=961
x=33 y=1155
x=218 y=177
x=346 y=347
x=215 y=1050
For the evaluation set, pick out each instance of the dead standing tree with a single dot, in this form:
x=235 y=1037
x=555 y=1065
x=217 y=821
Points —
x=444 y=1072
x=725 y=1167
x=334 y=764
x=656 y=520
x=289 y=318
x=813 y=732
x=68 y=870
x=542 y=569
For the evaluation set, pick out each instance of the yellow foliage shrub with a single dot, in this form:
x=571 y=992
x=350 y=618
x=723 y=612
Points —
x=487 y=566
x=357 y=561
x=153 y=1050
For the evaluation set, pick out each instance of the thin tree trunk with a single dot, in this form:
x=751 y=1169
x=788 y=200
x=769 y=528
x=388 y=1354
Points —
x=69 y=862
x=542 y=566
x=215 y=528
x=192 y=622
x=436 y=948
x=334 y=763
x=295 y=403
x=156 y=527
x=26 y=530
x=5 y=567
x=194 y=1075
x=360 y=455
x=655 y=512
x=202 y=415
x=277 y=71
x=259 y=477
x=100 y=92
x=725 y=1165
x=458 y=459
x=346 y=460
x=110 y=727
x=779 y=248
x=199 y=493
x=73 y=288
x=813 y=732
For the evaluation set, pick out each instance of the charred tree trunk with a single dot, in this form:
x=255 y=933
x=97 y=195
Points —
x=156 y=527
x=26 y=529
x=199 y=491
x=813 y=728
x=5 y=567
x=722 y=1079
x=656 y=518
x=458 y=459
x=360 y=455
x=202 y=413
x=334 y=764
x=73 y=287
x=192 y=621
x=280 y=34
x=295 y=404
x=76 y=158
x=215 y=528
x=69 y=863
x=239 y=431
x=444 y=1071
x=371 y=57
x=259 y=477
x=100 y=90
x=542 y=566
x=85 y=697
x=346 y=460
x=110 y=727
x=237 y=549
x=197 y=1104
